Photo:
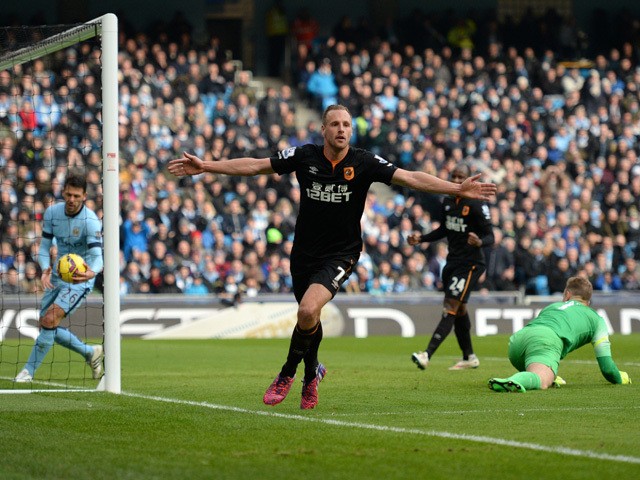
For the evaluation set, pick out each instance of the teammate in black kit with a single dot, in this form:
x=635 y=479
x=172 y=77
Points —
x=334 y=179
x=466 y=225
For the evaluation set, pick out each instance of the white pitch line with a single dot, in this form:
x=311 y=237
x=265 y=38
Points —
x=30 y=387
x=412 y=431
x=485 y=411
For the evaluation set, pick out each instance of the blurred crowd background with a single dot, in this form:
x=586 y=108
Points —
x=545 y=112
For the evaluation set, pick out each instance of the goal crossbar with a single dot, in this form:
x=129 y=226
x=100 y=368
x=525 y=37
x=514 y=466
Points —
x=52 y=44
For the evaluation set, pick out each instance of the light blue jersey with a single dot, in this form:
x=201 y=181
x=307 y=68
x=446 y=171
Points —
x=81 y=234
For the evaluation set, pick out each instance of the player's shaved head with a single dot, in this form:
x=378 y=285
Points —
x=331 y=108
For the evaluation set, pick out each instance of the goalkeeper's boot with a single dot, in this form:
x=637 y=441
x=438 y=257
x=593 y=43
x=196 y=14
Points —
x=310 y=389
x=472 y=362
x=95 y=361
x=278 y=390
x=421 y=359
x=23 y=377
x=505 y=385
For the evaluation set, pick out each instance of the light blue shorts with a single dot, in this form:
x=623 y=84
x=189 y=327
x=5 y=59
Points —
x=67 y=296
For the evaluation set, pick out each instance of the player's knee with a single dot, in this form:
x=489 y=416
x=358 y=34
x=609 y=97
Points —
x=307 y=316
x=544 y=384
x=47 y=321
x=52 y=317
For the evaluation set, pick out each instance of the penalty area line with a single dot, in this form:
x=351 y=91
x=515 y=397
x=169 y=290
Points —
x=399 y=430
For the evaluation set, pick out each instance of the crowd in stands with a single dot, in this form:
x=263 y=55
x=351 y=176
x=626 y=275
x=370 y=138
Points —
x=559 y=137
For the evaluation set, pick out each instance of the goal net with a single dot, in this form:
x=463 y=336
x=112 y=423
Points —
x=58 y=114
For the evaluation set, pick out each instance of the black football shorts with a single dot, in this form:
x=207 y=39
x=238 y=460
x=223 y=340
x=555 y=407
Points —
x=460 y=279
x=331 y=273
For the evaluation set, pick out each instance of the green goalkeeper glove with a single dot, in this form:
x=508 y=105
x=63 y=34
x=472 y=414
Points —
x=625 y=378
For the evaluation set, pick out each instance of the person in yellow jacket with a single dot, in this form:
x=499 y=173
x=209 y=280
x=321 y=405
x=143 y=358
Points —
x=461 y=34
x=277 y=30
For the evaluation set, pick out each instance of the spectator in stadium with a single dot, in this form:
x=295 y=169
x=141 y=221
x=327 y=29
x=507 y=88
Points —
x=559 y=329
x=305 y=28
x=10 y=282
x=169 y=285
x=558 y=274
x=233 y=220
x=133 y=277
x=76 y=229
x=322 y=85
x=438 y=262
x=500 y=263
x=607 y=281
x=243 y=86
x=334 y=179
x=135 y=236
x=7 y=256
x=466 y=226
x=213 y=85
x=631 y=274
x=31 y=281
x=198 y=287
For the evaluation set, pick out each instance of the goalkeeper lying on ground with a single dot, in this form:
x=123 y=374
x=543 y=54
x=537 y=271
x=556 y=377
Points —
x=560 y=328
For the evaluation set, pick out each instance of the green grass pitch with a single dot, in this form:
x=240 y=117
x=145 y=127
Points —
x=193 y=410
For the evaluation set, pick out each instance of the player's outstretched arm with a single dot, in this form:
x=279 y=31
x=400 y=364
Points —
x=470 y=188
x=191 y=165
x=610 y=371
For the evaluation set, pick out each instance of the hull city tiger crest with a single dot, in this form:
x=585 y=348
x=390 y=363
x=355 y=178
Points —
x=349 y=173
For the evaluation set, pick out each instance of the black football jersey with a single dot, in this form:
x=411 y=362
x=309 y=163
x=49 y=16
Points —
x=332 y=198
x=459 y=217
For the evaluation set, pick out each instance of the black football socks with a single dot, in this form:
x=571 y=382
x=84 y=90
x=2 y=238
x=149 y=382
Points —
x=442 y=330
x=301 y=343
x=462 y=329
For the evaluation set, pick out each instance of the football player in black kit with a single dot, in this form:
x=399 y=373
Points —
x=334 y=179
x=466 y=224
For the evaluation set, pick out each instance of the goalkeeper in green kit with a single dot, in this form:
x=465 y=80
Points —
x=560 y=328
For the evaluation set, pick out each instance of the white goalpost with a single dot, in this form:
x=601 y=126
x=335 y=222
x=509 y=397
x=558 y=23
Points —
x=104 y=29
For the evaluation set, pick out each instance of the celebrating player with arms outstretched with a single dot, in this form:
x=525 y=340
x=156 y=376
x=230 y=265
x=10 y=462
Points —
x=334 y=179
